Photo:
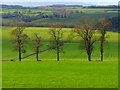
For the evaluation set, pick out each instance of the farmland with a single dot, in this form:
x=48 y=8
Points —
x=73 y=70
x=63 y=74
x=72 y=50
x=44 y=16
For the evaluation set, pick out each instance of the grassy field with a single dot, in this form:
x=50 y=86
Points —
x=72 y=50
x=73 y=70
x=63 y=74
x=94 y=14
x=77 y=18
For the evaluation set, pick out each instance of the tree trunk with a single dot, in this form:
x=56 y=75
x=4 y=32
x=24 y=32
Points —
x=89 y=57
x=37 y=52
x=37 y=56
x=89 y=52
x=57 y=55
x=19 y=54
x=101 y=51
x=57 y=52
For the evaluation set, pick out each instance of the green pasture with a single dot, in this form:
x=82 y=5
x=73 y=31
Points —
x=76 y=18
x=25 y=11
x=72 y=50
x=63 y=74
x=73 y=70
x=89 y=10
x=94 y=14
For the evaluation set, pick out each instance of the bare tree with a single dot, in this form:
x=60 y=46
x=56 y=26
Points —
x=19 y=39
x=103 y=25
x=86 y=32
x=36 y=45
x=62 y=13
x=56 y=34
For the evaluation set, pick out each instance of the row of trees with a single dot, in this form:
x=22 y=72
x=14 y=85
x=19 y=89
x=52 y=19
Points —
x=23 y=17
x=85 y=32
x=62 y=13
x=57 y=13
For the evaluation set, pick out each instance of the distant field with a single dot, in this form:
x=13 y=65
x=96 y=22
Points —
x=77 y=18
x=31 y=14
x=93 y=10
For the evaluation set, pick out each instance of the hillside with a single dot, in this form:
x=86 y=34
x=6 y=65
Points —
x=65 y=15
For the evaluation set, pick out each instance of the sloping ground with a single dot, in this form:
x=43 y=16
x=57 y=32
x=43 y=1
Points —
x=71 y=50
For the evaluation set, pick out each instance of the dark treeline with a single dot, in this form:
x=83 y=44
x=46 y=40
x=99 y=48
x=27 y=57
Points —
x=12 y=6
x=37 y=7
x=114 y=27
x=109 y=6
